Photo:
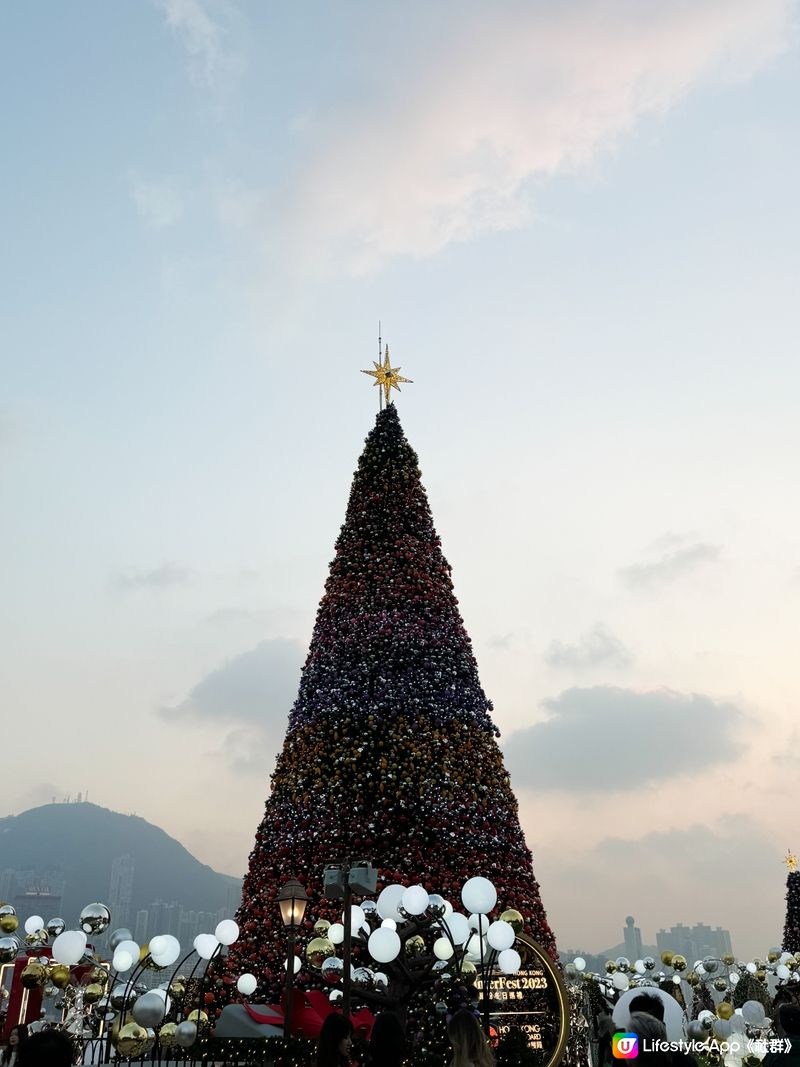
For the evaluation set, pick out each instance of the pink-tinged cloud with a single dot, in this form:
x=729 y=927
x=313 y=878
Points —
x=447 y=145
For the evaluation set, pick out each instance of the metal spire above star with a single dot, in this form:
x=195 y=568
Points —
x=386 y=375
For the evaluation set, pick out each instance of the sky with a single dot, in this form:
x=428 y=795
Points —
x=578 y=226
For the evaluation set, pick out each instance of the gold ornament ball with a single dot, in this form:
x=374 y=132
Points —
x=60 y=975
x=318 y=950
x=34 y=976
x=791 y=964
x=772 y=956
x=728 y=959
x=514 y=919
x=469 y=973
x=610 y=966
x=321 y=927
x=725 y=1009
x=199 y=1018
x=666 y=958
x=9 y=947
x=679 y=963
x=166 y=1035
x=8 y=923
x=99 y=975
x=92 y=993
x=693 y=978
x=415 y=946
x=761 y=974
x=720 y=984
x=131 y=1040
x=178 y=988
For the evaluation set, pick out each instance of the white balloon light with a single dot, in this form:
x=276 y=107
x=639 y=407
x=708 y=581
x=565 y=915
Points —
x=246 y=984
x=478 y=922
x=753 y=1012
x=122 y=961
x=131 y=948
x=298 y=963
x=415 y=900
x=336 y=933
x=639 y=967
x=782 y=971
x=620 y=980
x=69 y=947
x=226 y=932
x=389 y=900
x=34 y=924
x=390 y=924
x=156 y=945
x=459 y=927
x=448 y=908
x=501 y=936
x=580 y=963
x=357 y=917
x=205 y=945
x=473 y=948
x=442 y=949
x=479 y=895
x=384 y=945
x=509 y=961
x=169 y=948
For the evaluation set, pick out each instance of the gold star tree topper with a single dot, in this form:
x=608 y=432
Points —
x=386 y=375
x=791 y=860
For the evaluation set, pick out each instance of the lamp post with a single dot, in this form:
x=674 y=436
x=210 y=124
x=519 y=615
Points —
x=292 y=900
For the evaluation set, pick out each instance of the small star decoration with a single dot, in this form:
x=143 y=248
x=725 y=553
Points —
x=386 y=375
x=791 y=860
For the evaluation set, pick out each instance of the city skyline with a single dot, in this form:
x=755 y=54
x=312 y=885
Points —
x=578 y=227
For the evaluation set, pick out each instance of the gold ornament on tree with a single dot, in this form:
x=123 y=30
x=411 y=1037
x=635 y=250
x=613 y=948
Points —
x=318 y=950
x=514 y=919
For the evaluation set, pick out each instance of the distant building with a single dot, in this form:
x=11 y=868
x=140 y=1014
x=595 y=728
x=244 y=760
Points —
x=37 y=900
x=633 y=940
x=120 y=893
x=141 y=931
x=695 y=942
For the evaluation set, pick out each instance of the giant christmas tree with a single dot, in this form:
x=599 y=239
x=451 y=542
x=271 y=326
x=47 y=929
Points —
x=791 y=929
x=390 y=753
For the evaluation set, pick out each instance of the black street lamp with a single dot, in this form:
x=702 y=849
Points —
x=292 y=900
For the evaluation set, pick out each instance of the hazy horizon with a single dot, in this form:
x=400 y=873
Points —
x=578 y=226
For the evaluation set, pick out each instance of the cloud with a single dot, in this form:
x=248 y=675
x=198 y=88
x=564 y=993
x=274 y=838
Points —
x=166 y=576
x=450 y=145
x=597 y=647
x=253 y=691
x=254 y=687
x=204 y=28
x=159 y=203
x=604 y=734
x=671 y=566
x=695 y=862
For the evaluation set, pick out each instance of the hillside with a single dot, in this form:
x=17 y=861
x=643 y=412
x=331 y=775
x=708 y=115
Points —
x=82 y=840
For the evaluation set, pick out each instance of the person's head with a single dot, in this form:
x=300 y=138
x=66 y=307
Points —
x=50 y=1047
x=468 y=1042
x=789 y=1020
x=648 y=1003
x=335 y=1039
x=18 y=1034
x=645 y=1025
x=387 y=1043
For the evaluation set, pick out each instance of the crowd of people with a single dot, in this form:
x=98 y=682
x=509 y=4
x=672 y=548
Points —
x=388 y=1046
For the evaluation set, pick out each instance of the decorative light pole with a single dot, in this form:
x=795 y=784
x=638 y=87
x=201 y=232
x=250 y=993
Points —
x=292 y=900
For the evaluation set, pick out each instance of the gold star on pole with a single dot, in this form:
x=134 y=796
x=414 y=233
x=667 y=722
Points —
x=386 y=375
x=791 y=860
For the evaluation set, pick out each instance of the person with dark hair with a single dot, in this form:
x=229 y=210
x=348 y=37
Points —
x=468 y=1041
x=787 y=1027
x=17 y=1037
x=649 y=1029
x=649 y=1003
x=387 y=1043
x=47 y=1048
x=335 y=1042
